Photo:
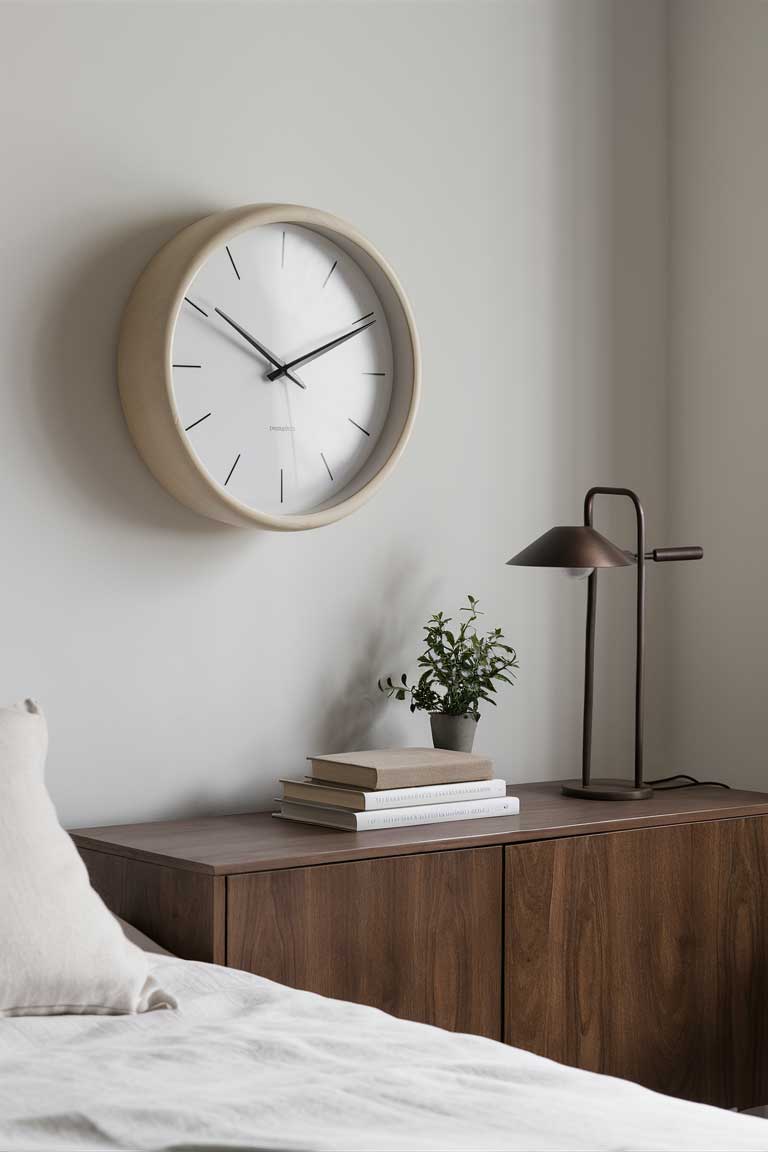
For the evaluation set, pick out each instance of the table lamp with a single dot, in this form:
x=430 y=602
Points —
x=581 y=550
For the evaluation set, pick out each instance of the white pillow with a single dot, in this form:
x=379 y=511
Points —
x=61 y=950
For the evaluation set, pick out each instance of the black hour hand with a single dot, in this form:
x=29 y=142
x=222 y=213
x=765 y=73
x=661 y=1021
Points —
x=260 y=348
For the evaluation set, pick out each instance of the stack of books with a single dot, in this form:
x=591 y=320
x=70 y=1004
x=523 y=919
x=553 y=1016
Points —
x=395 y=787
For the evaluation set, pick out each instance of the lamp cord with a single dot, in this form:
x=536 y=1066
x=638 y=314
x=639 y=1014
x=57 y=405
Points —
x=689 y=782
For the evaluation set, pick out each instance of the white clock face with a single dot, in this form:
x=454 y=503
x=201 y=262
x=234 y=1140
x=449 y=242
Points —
x=275 y=295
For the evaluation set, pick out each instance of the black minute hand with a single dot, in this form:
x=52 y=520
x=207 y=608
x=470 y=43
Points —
x=317 y=352
x=260 y=348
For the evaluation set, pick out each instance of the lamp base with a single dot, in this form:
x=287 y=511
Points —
x=607 y=790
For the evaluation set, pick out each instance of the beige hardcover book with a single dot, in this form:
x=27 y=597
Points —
x=401 y=767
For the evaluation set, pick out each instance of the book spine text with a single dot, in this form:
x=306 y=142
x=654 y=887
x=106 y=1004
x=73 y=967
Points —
x=437 y=813
x=435 y=794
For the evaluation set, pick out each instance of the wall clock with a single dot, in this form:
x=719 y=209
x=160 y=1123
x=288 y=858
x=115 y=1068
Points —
x=269 y=367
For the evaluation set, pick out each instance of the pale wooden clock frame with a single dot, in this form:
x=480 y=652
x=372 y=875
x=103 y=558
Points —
x=145 y=374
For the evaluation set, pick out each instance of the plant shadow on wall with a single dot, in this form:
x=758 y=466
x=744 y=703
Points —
x=79 y=413
x=351 y=709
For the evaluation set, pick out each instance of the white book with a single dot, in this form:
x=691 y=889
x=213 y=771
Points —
x=358 y=799
x=399 y=817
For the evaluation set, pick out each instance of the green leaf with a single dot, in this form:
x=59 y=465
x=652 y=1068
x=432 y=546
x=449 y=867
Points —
x=457 y=667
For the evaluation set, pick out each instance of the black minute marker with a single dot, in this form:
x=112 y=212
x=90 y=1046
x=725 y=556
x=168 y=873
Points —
x=231 y=470
x=329 y=274
x=199 y=309
x=232 y=261
x=196 y=422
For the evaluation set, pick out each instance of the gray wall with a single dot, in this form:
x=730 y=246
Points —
x=509 y=159
x=718 y=388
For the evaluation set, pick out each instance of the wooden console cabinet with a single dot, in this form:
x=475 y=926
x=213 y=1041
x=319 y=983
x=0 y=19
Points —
x=628 y=938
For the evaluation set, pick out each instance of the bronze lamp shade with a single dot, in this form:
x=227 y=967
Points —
x=571 y=547
x=581 y=547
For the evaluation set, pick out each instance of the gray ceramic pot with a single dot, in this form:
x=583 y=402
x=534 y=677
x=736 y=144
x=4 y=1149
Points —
x=454 y=732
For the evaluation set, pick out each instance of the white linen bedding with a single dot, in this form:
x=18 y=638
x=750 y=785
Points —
x=244 y=1063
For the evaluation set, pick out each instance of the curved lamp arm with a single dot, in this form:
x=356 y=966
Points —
x=659 y=555
x=589 y=663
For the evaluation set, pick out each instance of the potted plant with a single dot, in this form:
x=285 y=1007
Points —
x=460 y=668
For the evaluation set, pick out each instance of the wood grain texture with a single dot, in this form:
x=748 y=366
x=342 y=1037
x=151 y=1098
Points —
x=419 y=937
x=254 y=842
x=644 y=954
x=183 y=911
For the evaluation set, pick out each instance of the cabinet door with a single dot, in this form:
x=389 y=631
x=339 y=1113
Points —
x=419 y=936
x=182 y=911
x=644 y=954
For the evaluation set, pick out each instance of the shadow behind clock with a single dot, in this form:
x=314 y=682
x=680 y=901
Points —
x=77 y=405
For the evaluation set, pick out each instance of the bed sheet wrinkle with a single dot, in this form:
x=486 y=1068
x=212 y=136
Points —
x=75 y=1132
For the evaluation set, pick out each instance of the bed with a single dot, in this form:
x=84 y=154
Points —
x=244 y=1063
x=106 y=1042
